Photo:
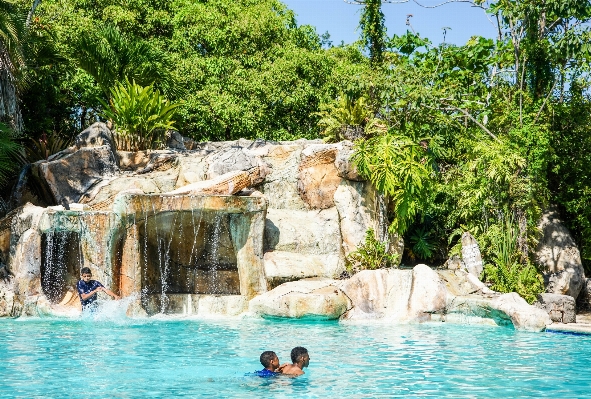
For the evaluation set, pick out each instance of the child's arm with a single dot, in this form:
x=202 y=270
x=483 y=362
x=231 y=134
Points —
x=91 y=293
x=111 y=293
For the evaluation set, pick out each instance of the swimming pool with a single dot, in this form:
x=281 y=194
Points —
x=163 y=358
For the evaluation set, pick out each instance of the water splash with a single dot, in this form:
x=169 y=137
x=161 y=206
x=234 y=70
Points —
x=110 y=310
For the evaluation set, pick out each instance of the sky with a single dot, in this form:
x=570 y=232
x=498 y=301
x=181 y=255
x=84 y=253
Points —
x=341 y=19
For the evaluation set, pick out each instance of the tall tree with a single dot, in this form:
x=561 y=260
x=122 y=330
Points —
x=373 y=28
x=12 y=58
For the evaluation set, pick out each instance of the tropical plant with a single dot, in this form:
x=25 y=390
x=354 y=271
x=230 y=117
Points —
x=508 y=272
x=12 y=58
x=141 y=116
x=348 y=119
x=46 y=146
x=400 y=169
x=110 y=56
x=373 y=29
x=423 y=244
x=371 y=254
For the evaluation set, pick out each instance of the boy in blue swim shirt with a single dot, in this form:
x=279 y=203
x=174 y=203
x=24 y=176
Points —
x=88 y=289
x=270 y=362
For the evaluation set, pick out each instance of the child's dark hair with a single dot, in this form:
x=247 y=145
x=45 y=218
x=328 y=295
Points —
x=266 y=358
x=297 y=352
x=85 y=270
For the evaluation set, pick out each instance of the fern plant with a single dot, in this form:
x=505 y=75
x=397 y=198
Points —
x=423 y=244
x=141 y=116
x=348 y=118
x=370 y=255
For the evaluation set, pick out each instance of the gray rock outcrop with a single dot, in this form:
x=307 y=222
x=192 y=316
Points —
x=584 y=298
x=559 y=257
x=560 y=308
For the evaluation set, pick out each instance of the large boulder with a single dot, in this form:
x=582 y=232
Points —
x=302 y=244
x=523 y=315
x=560 y=308
x=73 y=175
x=345 y=167
x=307 y=298
x=396 y=295
x=558 y=256
x=96 y=135
x=584 y=299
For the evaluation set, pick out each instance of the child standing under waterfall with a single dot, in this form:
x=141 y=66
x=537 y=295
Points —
x=88 y=289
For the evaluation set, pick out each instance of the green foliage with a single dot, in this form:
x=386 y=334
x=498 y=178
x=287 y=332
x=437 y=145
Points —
x=45 y=146
x=423 y=243
x=348 y=118
x=507 y=273
x=370 y=255
x=10 y=153
x=373 y=29
x=398 y=168
x=141 y=116
x=110 y=56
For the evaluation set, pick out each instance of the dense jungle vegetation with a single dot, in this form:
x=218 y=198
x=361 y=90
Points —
x=480 y=137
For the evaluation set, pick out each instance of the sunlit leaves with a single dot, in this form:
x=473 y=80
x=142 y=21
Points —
x=141 y=116
x=398 y=168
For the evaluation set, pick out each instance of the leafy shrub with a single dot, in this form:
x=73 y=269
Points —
x=10 y=153
x=423 y=244
x=348 y=118
x=141 y=116
x=399 y=168
x=370 y=255
x=45 y=146
x=507 y=273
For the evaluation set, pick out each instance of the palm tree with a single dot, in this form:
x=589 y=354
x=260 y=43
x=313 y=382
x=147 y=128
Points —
x=111 y=57
x=12 y=59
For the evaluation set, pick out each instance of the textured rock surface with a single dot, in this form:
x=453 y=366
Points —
x=523 y=315
x=398 y=295
x=559 y=257
x=560 y=308
x=73 y=175
x=318 y=177
x=423 y=294
x=471 y=255
x=304 y=235
x=96 y=135
x=584 y=298
x=345 y=167
x=307 y=298
x=302 y=244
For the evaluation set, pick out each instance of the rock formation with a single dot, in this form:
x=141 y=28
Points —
x=559 y=257
x=401 y=296
x=161 y=222
x=225 y=228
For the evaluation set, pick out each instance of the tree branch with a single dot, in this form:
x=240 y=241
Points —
x=32 y=11
x=480 y=125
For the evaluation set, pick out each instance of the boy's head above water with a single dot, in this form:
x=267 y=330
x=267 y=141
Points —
x=300 y=354
x=85 y=274
x=269 y=360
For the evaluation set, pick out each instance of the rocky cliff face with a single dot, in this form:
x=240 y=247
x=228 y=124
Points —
x=313 y=209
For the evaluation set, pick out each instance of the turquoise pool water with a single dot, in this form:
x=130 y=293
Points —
x=52 y=358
